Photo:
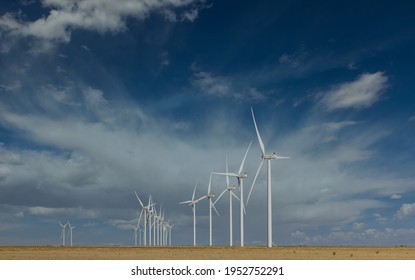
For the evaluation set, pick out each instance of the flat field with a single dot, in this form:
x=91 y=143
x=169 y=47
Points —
x=205 y=253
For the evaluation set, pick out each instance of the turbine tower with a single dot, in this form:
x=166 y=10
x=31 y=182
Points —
x=267 y=157
x=70 y=230
x=230 y=189
x=193 y=203
x=63 y=230
x=240 y=175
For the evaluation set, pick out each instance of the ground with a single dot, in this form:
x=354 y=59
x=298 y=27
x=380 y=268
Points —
x=204 y=253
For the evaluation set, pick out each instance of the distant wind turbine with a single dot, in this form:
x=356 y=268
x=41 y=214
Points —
x=136 y=229
x=230 y=189
x=193 y=203
x=240 y=175
x=146 y=210
x=209 y=196
x=70 y=230
x=63 y=231
x=267 y=157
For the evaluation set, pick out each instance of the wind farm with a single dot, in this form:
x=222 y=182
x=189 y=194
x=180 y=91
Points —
x=296 y=122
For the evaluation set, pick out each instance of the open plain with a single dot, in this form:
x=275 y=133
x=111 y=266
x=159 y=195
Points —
x=204 y=253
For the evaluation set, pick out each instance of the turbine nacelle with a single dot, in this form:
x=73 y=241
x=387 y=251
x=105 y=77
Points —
x=242 y=175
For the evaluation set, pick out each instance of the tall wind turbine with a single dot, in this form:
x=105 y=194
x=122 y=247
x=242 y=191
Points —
x=193 y=203
x=70 y=230
x=136 y=229
x=63 y=232
x=146 y=210
x=267 y=157
x=230 y=189
x=209 y=196
x=240 y=175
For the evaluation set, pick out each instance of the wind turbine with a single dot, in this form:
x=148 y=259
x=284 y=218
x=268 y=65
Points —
x=146 y=210
x=63 y=232
x=193 y=203
x=209 y=196
x=168 y=233
x=136 y=228
x=240 y=175
x=267 y=157
x=230 y=189
x=70 y=230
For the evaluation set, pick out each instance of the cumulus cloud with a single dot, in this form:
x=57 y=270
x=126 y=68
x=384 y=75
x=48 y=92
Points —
x=406 y=210
x=368 y=237
x=360 y=93
x=98 y=16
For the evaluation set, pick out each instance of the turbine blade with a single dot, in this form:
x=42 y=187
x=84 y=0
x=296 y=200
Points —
x=243 y=161
x=194 y=191
x=220 y=196
x=139 y=218
x=235 y=195
x=227 y=178
x=203 y=197
x=278 y=157
x=149 y=200
x=261 y=144
x=253 y=182
x=210 y=183
x=187 y=201
x=139 y=200
x=214 y=208
x=226 y=174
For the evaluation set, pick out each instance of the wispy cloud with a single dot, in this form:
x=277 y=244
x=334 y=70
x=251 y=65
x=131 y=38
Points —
x=211 y=84
x=360 y=93
x=99 y=16
x=223 y=86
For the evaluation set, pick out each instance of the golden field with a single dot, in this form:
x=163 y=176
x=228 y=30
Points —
x=204 y=253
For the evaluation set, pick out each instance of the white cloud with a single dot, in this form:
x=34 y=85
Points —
x=406 y=210
x=379 y=218
x=361 y=93
x=222 y=86
x=370 y=237
x=99 y=16
x=396 y=196
x=358 y=226
x=210 y=84
x=53 y=212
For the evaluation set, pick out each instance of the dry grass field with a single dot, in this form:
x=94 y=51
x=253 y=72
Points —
x=205 y=253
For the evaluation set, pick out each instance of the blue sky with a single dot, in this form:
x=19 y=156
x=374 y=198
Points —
x=100 y=99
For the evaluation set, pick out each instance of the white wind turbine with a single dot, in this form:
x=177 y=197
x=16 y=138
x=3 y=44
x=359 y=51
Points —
x=193 y=203
x=240 y=175
x=168 y=234
x=145 y=210
x=230 y=189
x=63 y=231
x=70 y=230
x=136 y=229
x=267 y=157
x=209 y=196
